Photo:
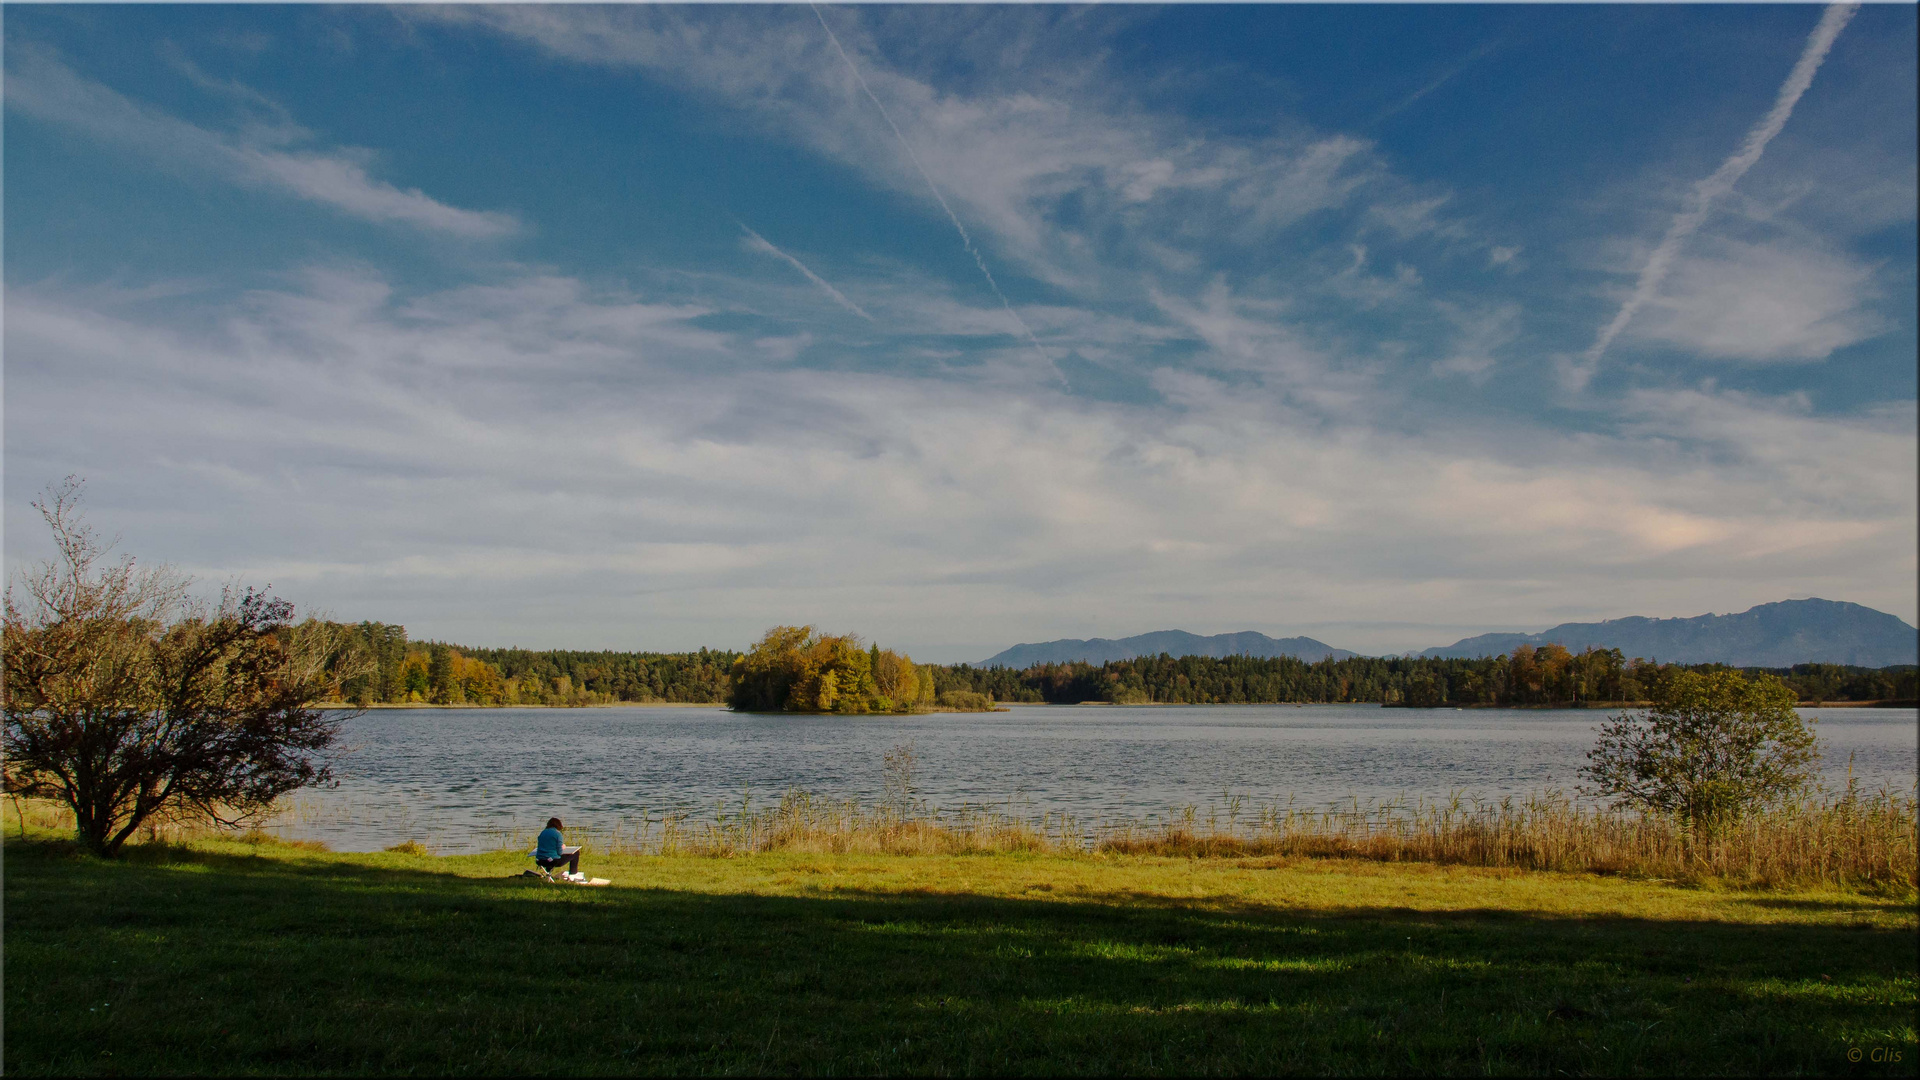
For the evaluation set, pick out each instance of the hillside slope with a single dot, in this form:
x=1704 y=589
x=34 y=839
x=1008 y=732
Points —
x=1770 y=635
x=1171 y=642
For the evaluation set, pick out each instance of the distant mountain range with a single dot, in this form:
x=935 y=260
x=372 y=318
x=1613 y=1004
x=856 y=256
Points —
x=1171 y=642
x=1771 y=635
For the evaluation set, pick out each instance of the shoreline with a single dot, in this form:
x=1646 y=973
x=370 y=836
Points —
x=338 y=706
x=341 y=706
x=1002 y=706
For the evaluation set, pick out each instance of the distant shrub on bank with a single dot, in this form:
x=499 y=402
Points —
x=1713 y=748
x=964 y=701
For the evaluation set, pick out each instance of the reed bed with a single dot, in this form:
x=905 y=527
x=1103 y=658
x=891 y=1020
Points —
x=807 y=823
x=1851 y=839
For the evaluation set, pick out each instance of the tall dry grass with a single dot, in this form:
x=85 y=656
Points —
x=45 y=816
x=802 y=822
x=1851 y=839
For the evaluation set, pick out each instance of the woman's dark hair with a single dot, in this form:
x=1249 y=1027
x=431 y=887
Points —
x=553 y=823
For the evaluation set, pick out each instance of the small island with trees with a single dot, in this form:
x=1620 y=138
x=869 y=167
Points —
x=796 y=669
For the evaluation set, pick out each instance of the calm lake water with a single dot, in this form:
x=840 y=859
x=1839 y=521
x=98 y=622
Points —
x=466 y=779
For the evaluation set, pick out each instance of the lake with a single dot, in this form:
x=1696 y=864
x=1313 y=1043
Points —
x=466 y=779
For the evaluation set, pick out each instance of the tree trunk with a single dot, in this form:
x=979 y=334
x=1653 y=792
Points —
x=90 y=829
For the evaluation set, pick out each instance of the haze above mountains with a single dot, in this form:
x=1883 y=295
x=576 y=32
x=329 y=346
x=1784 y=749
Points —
x=1770 y=635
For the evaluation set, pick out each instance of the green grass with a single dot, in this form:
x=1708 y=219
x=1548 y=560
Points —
x=228 y=957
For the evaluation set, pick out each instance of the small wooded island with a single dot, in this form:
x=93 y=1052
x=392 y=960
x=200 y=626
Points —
x=795 y=669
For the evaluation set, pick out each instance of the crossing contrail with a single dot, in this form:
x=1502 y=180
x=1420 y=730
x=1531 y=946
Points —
x=1445 y=77
x=966 y=240
x=1689 y=219
x=765 y=247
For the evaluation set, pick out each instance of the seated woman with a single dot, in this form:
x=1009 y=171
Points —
x=551 y=852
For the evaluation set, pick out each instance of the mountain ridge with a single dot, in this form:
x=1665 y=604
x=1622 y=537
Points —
x=1780 y=634
x=1171 y=642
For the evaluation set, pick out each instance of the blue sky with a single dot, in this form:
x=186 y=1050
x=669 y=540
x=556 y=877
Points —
x=652 y=327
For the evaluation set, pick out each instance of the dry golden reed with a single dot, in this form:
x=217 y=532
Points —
x=802 y=822
x=1851 y=840
x=1847 y=840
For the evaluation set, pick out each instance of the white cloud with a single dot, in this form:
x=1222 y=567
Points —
x=1763 y=303
x=1778 y=454
x=1480 y=334
x=1119 y=209
x=539 y=461
x=40 y=86
x=1008 y=158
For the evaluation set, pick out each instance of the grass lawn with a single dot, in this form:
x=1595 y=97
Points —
x=227 y=957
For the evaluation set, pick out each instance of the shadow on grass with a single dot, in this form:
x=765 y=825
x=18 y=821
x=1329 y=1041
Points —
x=184 y=960
x=1881 y=900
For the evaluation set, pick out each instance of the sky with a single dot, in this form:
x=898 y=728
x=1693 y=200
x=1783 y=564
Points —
x=956 y=327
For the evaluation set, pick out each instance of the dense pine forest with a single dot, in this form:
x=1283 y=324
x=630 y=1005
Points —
x=433 y=672
x=1528 y=676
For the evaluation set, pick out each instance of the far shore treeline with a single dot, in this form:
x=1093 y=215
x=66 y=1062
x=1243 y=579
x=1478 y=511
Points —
x=439 y=673
x=1547 y=676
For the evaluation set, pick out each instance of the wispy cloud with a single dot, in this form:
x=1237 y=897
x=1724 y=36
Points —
x=536 y=435
x=757 y=243
x=1700 y=201
x=1076 y=183
x=1480 y=335
x=41 y=86
x=966 y=241
x=267 y=122
x=1763 y=303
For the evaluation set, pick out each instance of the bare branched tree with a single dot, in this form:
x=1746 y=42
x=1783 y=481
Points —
x=126 y=698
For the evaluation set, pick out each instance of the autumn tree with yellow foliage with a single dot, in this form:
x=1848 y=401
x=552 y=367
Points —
x=795 y=669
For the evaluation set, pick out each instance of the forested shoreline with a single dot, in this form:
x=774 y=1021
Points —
x=1549 y=676
x=441 y=673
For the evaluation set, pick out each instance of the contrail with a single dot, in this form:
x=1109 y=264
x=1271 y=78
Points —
x=1688 y=220
x=759 y=243
x=1468 y=61
x=966 y=241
